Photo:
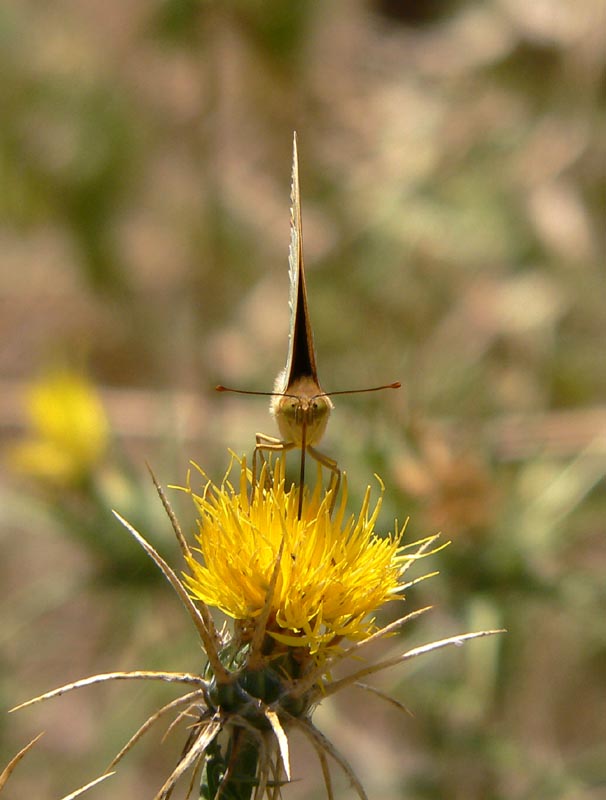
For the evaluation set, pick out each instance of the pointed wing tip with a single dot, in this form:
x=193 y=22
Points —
x=295 y=156
x=294 y=194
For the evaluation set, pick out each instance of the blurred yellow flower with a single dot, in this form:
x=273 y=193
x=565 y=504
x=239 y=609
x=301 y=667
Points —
x=333 y=572
x=69 y=429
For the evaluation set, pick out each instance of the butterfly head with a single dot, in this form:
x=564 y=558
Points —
x=302 y=412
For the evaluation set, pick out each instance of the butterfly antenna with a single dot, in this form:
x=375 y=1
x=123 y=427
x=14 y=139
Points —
x=395 y=385
x=221 y=388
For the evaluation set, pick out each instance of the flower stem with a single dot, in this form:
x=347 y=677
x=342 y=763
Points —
x=230 y=772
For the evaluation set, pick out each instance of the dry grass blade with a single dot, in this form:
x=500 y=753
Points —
x=194 y=732
x=281 y=738
x=313 y=733
x=275 y=790
x=186 y=712
x=195 y=752
x=151 y=721
x=386 y=631
x=193 y=783
x=336 y=686
x=262 y=779
x=384 y=696
x=168 y=677
x=88 y=786
x=201 y=619
x=185 y=549
x=195 y=779
x=325 y=769
x=6 y=772
x=305 y=684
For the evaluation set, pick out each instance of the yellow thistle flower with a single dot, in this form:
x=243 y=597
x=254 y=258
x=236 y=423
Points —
x=69 y=429
x=297 y=587
x=333 y=573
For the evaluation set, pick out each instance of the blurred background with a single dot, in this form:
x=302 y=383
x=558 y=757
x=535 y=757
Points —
x=453 y=176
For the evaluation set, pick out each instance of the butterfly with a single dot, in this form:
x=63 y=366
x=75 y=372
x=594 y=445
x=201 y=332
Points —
x=299 y=404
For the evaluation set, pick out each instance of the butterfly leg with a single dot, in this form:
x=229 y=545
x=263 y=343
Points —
x=331 y=464
x=270 y=444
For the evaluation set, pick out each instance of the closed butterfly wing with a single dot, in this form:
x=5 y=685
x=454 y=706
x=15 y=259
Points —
x=301 y=359
x=300 y=407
